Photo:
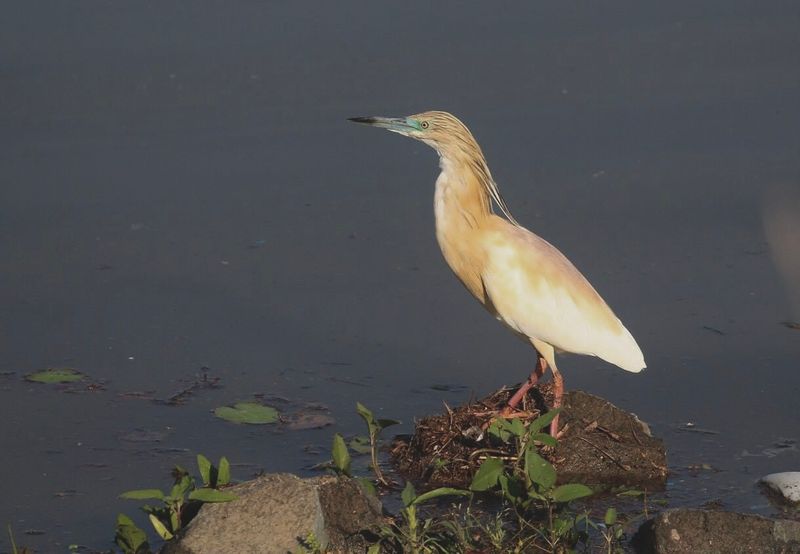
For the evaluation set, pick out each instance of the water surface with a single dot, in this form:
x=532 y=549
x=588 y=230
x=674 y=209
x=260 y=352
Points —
x=179 y=189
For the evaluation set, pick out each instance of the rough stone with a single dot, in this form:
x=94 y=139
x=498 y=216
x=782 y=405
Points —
x=689 y=531
x=786 y=484
x=601 y=444
x=277 y=513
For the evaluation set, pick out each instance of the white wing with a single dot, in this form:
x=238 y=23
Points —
x=537 y=291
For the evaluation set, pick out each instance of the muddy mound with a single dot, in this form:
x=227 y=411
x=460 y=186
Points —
x=600 y=443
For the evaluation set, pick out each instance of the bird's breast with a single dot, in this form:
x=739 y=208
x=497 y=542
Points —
x=458 y=223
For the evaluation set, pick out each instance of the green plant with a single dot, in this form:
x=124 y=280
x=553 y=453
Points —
x=530 y=482
x=130 y=538
x=310 y=545
x=414 y=535
x=612 y=531
x=374 y=427
x=178 y=506
x=341 y=456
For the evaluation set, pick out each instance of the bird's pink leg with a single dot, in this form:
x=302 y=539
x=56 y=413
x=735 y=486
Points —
x=558 y=393
x=536 y=374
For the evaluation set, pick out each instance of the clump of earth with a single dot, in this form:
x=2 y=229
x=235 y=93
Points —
x=600 y=444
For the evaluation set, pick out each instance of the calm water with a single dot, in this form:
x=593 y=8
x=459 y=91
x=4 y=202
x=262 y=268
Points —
x=179 y=189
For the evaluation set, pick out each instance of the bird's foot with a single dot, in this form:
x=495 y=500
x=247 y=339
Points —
x=554 y=431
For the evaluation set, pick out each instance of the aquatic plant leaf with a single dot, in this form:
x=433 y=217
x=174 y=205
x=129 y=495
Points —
x=543 y=421
x=538 y=469
x=487 y=475
x=375 y=425
x=183 y=484
x=211 y=495
x=204 y=466
x=611 y=516
x=251 y=413
x=408 y=495
x=129 y=537
x=360 y=444
x=143 y=494
x=442 y=491
x=224 y=472
x=63 y=375
x=341 y=457
x=384 y=423
x=572 y=491
x=366 y=415
x=160 y=528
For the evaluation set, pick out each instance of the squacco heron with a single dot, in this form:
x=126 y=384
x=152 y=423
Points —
x=520 y=278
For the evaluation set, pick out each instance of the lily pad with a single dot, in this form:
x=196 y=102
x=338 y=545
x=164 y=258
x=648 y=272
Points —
x=62 y=375
x=248 y=412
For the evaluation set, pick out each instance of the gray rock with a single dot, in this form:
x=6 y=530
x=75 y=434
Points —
x=684 y=531
x=276 y=513
x=787 y=484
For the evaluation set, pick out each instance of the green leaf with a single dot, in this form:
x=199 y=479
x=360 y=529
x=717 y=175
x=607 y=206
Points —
x=211 y=495
x=182 y=485
x=543 y=421
x=499 y=430
x=143 y=494
x=368 y=486
x=204 y=465
x=367 y=416
x=546 y=440
x=631 y=492
x=611 y=516
x=436 y=493
x=129 y=537
x=563 y=525
x=513 y=488
x=374 y=548
x=224 y=472
x=160 y=528
x=516 y=427
x=360 y=444
x=538 y=469
x=174 y=519
x=486 y=476
x=63 y=375
x=409 y=494
x=565 y=493
x=384 y=423
x=341 y=457
x=252 y=413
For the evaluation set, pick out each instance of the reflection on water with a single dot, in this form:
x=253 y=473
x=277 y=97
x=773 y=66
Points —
x=781 y=212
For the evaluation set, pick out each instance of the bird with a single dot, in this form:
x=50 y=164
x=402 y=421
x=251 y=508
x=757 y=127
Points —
x=520 y=278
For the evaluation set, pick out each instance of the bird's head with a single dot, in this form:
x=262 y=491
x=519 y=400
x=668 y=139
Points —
x=439 y=130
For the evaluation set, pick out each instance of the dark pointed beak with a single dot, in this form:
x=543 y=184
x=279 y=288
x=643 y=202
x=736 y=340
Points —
x=396 y=124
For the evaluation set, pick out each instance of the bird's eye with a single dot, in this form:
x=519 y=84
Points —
x=424 y=124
